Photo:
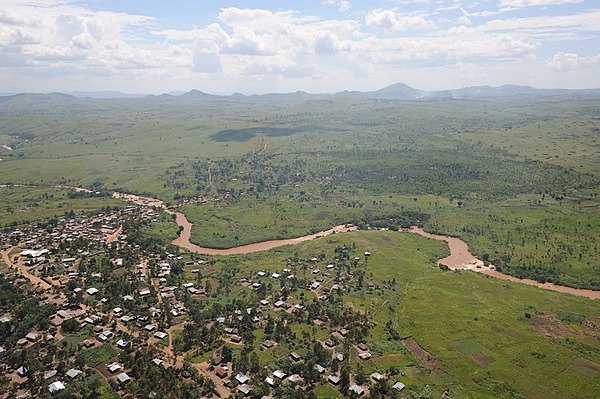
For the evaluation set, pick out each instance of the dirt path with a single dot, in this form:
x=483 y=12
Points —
x=209 y=171
x=7 y=147
x=222 y=391
x=265 y=147
x=462 y=259
x=111 y=237
x=35 y=280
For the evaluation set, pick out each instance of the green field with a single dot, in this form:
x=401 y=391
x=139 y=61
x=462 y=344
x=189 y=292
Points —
x=264 y=171
x=492 y=338
x=517 y=178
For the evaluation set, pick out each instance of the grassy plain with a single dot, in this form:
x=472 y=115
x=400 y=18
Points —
x=492 y=338
x=279 y=169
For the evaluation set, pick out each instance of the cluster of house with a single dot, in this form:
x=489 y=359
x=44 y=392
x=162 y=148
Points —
x=40 y=255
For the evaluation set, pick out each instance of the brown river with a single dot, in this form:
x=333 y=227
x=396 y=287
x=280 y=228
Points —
x=460 y=257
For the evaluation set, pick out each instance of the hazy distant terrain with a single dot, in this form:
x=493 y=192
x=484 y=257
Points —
x=513 y=171
x=481 y=160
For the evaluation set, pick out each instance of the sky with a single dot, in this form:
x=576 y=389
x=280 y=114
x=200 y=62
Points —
x=318 y=46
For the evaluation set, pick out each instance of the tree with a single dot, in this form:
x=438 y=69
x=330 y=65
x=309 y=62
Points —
x=345 y=379
x=70 y=326
x=254 y=363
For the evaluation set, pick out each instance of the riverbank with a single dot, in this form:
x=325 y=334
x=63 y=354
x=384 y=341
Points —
x=460 y=257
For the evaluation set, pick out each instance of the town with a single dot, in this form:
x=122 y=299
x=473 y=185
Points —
x=89 y=306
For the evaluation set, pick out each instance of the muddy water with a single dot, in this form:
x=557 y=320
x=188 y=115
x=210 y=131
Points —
x=184 y=240
x=462 y=259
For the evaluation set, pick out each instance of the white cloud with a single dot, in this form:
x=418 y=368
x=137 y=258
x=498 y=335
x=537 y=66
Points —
x=206 y=61
x=342 y=5
x=73 y=42
x=568 y=61
x=463 y=20
x=411 y=1
x=559 y=27
x=536 y=3
x=394 y=21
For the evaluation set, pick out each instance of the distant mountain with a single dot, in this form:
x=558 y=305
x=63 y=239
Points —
x=401 y=91
x=55 y=102
x=104 y=94
x=398 y=91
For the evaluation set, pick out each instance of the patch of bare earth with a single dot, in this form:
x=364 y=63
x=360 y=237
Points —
x=586 y=367
x=421 y=354
x=481 y=359
x=553 y=327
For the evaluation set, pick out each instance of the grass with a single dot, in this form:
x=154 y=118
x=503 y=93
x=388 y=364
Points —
x=99 y=355
x=20 y=205
x=456 y=314
x=329 y=163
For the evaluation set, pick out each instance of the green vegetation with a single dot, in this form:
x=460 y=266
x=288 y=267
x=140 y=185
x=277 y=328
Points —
x=21 y=205
x=489 y=337
x=516 y=178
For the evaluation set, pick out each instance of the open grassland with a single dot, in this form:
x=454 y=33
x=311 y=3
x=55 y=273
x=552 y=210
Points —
x=20 y=205
x=488 y=337
x=531 y=236
x=251 y=171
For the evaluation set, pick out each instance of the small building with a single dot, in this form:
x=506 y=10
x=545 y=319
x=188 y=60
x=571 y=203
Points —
x=236 y=339
x=88 y=343
x=268 y=343
x=376 y=376
x=32 y=337
x=333 y=380
x=279 y=374
x=160 y=335
x=398 y=386
x=357 y=389
x=320 y=369
x=113 y=367
x=364 y=355
x=295 y=357
x=244 y=389
x=73 y=373
x=56 y=386
x=242 y=378
x=92 y=291
x=221 y=372
x=49 y=374
x=122 y=343
x=123 y=378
